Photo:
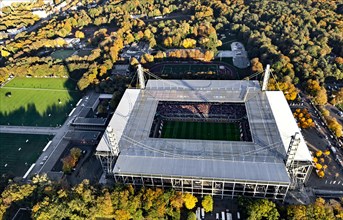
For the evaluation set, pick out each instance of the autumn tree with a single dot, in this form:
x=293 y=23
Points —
x=318 y=92
x=207 y=203
x=286 y=86
x=256 y=65
x=338 y=97
x=190 y=200
x=189 y=43
x=334 y=125
x=79 y=34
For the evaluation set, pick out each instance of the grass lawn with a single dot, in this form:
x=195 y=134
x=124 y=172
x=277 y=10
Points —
x=82 y=53
x=201 y=130
x=185 y=68
x=62 y=54
x=19 y=161
x=32 y=100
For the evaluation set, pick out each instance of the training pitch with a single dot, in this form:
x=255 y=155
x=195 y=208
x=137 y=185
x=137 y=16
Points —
x=200 y=130
x=62 y=54
x=18 y=153
x=37 y=101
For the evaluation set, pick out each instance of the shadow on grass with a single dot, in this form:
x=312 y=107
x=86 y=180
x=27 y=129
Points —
x=53 y=116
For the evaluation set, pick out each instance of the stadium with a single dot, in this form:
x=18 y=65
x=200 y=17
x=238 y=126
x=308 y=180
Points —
x=218 y=137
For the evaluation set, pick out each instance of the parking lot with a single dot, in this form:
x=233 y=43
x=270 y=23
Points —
x=320 y=138
x=226 y=205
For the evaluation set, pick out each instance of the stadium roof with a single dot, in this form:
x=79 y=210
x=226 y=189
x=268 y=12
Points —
x=259 y=160
x=286 y=124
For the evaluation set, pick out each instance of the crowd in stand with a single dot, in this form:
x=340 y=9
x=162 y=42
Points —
x=203 y=110
x=230 y=112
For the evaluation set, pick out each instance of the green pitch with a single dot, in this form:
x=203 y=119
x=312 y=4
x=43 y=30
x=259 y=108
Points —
x=19 y=161
x=30 y=101
x=62 y=54
x=201 y=130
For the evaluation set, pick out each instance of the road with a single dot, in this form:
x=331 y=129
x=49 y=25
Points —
x=50 y=156
x=28 y=130
x=319 y=138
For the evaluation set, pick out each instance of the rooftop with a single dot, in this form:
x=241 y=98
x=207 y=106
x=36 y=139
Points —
x=259 y=160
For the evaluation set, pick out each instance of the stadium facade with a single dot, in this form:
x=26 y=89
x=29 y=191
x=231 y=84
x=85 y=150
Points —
x=274 y=159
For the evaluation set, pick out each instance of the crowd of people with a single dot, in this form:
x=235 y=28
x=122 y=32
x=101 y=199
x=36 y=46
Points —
x=232 y=111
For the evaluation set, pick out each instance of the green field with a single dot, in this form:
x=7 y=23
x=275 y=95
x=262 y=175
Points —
x=32 y=100
x=62 y=54
x=201 y=130
x=185 y=68
x=82 y=53
x=19 y=161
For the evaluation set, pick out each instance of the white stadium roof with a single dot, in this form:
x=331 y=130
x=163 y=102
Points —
x=286 y=124
x=270 y=119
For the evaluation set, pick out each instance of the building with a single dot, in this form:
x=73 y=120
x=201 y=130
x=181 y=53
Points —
x=15 y=31
x=136 y=50
x=72 y=42
x=120 y=69
x=274 y=159
x=238 y=53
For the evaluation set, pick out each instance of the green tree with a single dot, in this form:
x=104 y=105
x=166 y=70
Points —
x=262 y=209
x=191 y=216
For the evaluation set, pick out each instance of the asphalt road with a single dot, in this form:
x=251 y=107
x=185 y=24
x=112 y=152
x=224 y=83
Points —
x=28 y=130
x=48 y=158
x=315 y=138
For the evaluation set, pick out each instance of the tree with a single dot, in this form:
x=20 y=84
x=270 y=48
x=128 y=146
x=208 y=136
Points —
x=207 y=203
x=4 y=53
x=256 y=65
x=321 y=97
x=191 y=216
x=319 y=153
x=75 y=153
x=339 y=97
x=68 y=163
x=134 y=61
x=190 y=200
x=318 y=92
x=79 y=34
x=189 y=43
x=168 y=42
x=334 y=125
x=262 y=209
x=209 y=55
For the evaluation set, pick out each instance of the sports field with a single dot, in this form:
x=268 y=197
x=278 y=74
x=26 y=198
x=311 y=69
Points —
x=186 y=68
x=201 y=130
x=62 y=54
x=19 y=154
x=37 y=101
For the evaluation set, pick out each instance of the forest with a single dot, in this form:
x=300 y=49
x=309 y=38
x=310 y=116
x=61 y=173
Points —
x=301 y=39
x=52 y=200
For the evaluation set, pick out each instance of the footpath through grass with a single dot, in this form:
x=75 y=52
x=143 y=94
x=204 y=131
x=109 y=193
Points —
x=201 y=130
x=19 y=154
x=37 y=101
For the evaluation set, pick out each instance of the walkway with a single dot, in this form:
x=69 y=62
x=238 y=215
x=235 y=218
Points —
x=28 y=130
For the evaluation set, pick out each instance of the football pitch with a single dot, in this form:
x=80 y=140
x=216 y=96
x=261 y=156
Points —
x=19 y=151
x=62 y=54
x=200 y=130
x=37 y=101
x=186 y=68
